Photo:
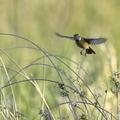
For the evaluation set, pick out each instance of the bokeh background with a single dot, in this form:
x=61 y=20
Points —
x=38 y=20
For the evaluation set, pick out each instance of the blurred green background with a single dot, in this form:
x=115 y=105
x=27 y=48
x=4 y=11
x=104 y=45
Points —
x=37 y=20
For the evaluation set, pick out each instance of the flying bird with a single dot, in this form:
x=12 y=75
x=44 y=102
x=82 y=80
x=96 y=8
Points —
x=85 y=43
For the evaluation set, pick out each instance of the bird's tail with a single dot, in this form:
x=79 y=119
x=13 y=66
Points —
x=90 y=51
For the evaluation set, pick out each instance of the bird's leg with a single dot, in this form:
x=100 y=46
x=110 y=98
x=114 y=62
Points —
x=86 y=54
x=81 y=52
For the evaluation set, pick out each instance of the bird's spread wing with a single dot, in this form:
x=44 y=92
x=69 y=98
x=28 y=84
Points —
x=95 y=41
x=72 y=38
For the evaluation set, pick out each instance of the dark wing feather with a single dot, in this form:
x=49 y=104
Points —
x=95 y=41
x=72 y=38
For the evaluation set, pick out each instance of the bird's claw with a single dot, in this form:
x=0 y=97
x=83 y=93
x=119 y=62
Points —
x=81 y=53
x=86 y=54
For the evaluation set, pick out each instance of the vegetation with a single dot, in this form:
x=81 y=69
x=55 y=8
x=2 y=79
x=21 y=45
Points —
x=43 y=76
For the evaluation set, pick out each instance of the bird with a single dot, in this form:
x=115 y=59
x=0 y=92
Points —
x=85 y=43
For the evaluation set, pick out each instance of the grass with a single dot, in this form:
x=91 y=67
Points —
x=42 y=89
x=44 y=76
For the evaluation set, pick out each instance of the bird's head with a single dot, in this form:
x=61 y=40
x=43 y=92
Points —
x=77 y=37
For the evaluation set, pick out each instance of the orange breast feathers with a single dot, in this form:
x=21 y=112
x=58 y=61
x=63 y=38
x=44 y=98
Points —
x=82 y=44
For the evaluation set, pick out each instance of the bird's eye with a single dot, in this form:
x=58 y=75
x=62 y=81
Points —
x=79 y=38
